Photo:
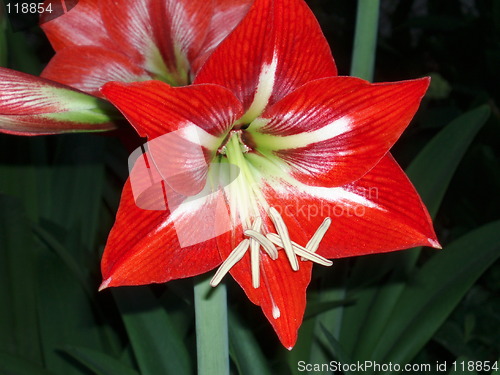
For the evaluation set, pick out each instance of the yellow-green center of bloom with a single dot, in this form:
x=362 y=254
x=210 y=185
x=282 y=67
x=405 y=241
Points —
x=248 y=206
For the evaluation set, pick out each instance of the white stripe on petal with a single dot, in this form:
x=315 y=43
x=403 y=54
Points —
x=334 y=129
x=264 y=90
x=199 y=136
x=337 y=194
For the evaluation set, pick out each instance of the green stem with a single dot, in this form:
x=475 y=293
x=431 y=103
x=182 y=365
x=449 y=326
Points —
x=365 y=39
x=211 y=328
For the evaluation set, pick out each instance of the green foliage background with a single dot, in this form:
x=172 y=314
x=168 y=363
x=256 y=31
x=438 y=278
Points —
x=58 y=196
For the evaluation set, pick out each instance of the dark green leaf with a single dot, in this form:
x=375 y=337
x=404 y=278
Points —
x=43 y=232
x=11 y=365
x=435 y=291
x=157 y=345
x=19 y=327
x=77 y=186
x=66 y=315
x=333 y=318
x=22 y=54
x=245 y=350
x=336 y=350
x=431 y=171
x=99 y=362
x=19 y=172
x=315 y=308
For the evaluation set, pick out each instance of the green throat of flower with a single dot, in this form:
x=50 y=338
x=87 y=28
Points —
x=249 y=206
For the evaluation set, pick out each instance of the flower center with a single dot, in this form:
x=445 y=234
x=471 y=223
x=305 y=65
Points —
x=234 y=142
x=248 y=205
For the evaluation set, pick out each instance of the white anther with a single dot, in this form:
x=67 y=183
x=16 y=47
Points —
x=285 y=237
x=266 y=244
x=255 y=254
x=233 y=258
x=301 y=251
x=315 y=240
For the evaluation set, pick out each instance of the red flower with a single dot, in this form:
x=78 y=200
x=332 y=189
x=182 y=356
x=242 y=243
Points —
x=101 y=41
x=144 y=39
x=312 y=150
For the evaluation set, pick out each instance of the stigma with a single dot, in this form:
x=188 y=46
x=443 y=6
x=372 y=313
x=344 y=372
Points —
x=271 y=243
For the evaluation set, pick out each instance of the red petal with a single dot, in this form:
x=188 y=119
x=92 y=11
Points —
x=155 y=108
x=158 y=35
x=201 y=117
x=275 y=49
x=180 y=27
x=334 y=130
x=161 y=37
x=403 y=223
x=194 y=28
x=94 y=67
x=129 y=26
x=381 y=212
x=143 y=246
x=282 y=291
x=226 y=14
x=79 y=27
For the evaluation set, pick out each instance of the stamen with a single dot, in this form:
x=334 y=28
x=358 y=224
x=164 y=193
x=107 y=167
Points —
x=257 y=224
x=255 y=254
x=266 y=244
x=233 y=258
x=301 y=251
x=285 y=237
x=315 y=240
x=255 y=262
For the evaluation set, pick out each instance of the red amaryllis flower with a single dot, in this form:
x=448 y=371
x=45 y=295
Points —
x=315 y=177
x=101 y=41
x=106 y=40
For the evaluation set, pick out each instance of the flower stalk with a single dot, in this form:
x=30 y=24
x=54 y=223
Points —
x=365 y=39
x=212 y=346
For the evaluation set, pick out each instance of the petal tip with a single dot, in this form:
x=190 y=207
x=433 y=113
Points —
x=104 y=284
x=434 y=243
x=427 y=81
